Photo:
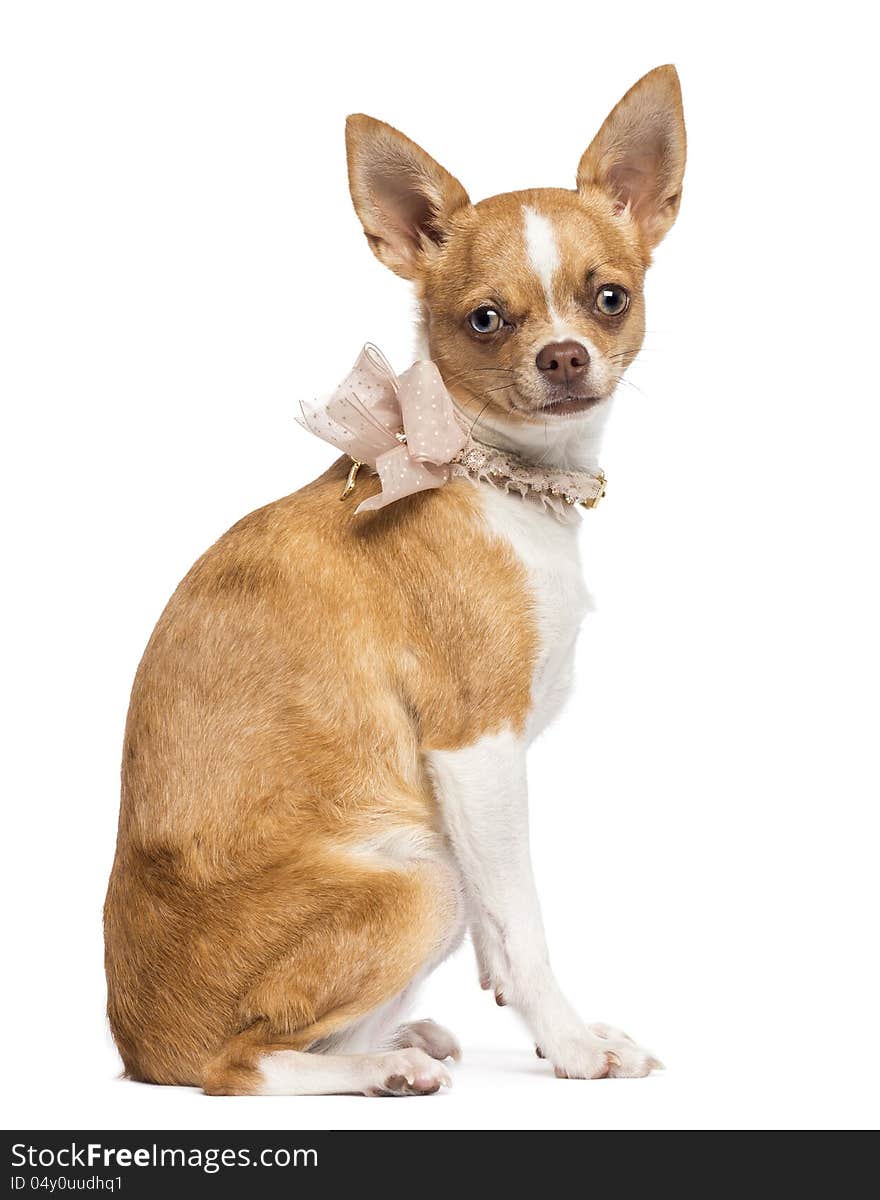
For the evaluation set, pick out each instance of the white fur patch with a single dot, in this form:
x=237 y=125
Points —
x=376 y=1030
x=398 y=1072
x=548 y=549
x=544 y=258
x=542 y=251
x=399 y=846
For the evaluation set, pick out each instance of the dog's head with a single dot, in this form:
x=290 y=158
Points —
x=532 y=301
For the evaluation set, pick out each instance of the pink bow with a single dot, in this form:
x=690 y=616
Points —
x=404 y=428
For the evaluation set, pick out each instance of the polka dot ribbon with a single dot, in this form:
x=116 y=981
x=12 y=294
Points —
x=404 y=428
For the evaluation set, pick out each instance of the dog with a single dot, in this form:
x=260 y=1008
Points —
x=324 y=770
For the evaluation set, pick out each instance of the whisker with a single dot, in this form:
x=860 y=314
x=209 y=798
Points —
x=634 y=386
x=633 y=350
x=471 y=378
x=502 y=387
x=546 y=442
x=476 y=419
x=481 y=370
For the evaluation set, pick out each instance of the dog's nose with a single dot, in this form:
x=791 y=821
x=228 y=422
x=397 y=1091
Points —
x=562 y=362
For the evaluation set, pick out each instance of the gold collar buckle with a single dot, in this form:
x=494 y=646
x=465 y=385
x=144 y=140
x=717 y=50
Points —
x=594 y=500
x=351 y=480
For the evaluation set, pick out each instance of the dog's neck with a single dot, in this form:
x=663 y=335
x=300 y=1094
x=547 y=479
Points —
x=574 y=444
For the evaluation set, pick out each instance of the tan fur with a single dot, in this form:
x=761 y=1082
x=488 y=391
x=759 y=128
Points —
x=273 y=761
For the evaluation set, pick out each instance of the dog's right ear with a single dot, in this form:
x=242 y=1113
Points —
x=403 y=198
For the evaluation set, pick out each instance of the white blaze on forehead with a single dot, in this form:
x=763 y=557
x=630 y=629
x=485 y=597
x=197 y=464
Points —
x=542 y=251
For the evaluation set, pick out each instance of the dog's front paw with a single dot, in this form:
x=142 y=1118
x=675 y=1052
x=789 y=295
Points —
x=598 y=1052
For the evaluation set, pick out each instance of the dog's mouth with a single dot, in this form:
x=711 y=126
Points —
x=567 y=405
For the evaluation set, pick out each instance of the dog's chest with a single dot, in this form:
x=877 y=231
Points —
x=548 y=550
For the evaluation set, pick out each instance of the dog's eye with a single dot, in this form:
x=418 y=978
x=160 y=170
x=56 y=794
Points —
x=612 y=299
x=485 y=319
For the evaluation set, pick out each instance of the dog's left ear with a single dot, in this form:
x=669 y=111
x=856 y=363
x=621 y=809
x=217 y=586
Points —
x=402 y=196
x=638 y=155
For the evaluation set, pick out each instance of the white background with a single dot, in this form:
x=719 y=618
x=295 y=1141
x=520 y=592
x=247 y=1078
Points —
x=181 y=263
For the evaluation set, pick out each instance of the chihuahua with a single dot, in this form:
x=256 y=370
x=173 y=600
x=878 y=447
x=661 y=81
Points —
x=324 y=774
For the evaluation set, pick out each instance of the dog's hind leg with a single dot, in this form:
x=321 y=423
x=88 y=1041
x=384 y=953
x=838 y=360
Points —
x=428 y=1036
x=343 y=980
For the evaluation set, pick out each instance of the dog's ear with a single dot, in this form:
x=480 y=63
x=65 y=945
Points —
x=403 y=198
x=638 y=155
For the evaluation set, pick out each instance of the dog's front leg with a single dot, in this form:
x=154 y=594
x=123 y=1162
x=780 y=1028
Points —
x=483 y=797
